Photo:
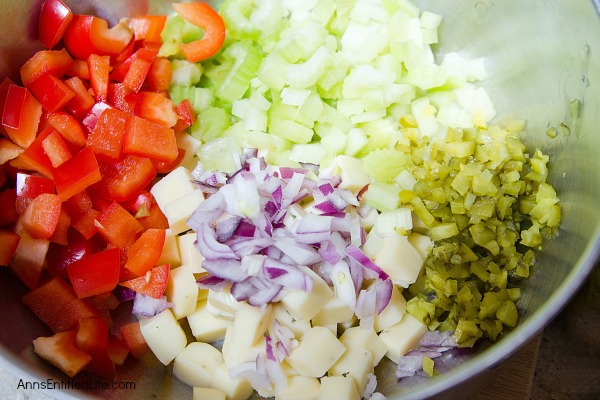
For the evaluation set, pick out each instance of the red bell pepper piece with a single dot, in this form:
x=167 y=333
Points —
x=99 y=68
x=92 y=334
x=79 y=203
x=28 y=259
x=8 y=151
x=123 y=179
x=106 y=139
x=79 y=69
x=61 y=255
x=122 y=97
x=91 y=119
x=145 y=252
x=31 y=186
x=136 y=75
x=207 y=18
x=121 y=70
x=82 y=102
x=160 y=74
x=156 y=219
x=41 y=216
x=148 y=139
x=55 y=16
x=153 y=283
x=62 y=226
x=51 y=92
x=8 y=244
x=61 y=351
x=187 y=115
x=156 y=107
x=3 y=94
x=85 y=223
x=117 y=350
x=21 y=115
x=68 y=127
x=164 y=167
x=77 y=173
x=148 y=28
x=87 y=34
x=34 y=158
x=8 y=211
x=56 y=149
x=132 y=335
x=52 y=62
x=118 y=227
x=139 y=205
x=95 y=273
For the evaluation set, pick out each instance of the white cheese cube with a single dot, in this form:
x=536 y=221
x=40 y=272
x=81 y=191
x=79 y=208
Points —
x=300 y=388
x=356 y=362
x=352 y=172
x=365 y=338
x=182 y=291
x=288 y=370
x=297 y=326
x=317 y=351
x=338 y=387
x=179 y=211
x=343 y=327
x=190 y=144
x=173 y=186
x=222 y=304
x=399 y=259
x=235 y=353
x=305 y=305
x=205 y=326
x=170 y=251
x=188 y=253
x=164 y=336
x=194 y=366
x=250 y=323
x=235 y=389
x=333 y=312
x=201 y=393
x=392 y=313
x=402 y=337
x=421 y=243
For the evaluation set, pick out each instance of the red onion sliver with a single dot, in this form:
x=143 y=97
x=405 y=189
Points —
x=358 y=255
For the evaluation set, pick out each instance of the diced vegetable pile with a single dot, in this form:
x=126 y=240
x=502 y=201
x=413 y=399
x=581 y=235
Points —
x=300 y=183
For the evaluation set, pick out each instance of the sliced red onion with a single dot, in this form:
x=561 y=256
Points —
x=378 y=396
x=290 y=277
x=343 y=283
x=357 y=272
x=248 y=247
x=225 y=268
x=147 y=306
x=255 y=373
x=301 y=253
x=437 y=339
x=123 y=293
x=365 y=308
x=245 y=229
x=383 y=293
x=225 y=226
x=370 y=388
x=269 y=351
x=285 y=339
x=208 y=212
x=212 y=283
x=325 y=188
x=209 y=247
x=357 y=254
x=326 y=207
x=288 y=173
x=408 y=366
x=329 y=252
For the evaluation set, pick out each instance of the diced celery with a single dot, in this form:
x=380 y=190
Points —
x=211 y=124
x=290 y=130
x=307 y=153
x=246 y=60
x=443 y=231
x=236 y=15
x=185 y=73
x=307 y=74
x=383 y=196
x=221 y=154
x=356 y=140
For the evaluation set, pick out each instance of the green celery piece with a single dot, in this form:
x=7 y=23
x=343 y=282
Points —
x=246 y=60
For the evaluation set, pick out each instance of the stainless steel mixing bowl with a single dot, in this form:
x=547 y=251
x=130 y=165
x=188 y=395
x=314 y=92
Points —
x=541 y=55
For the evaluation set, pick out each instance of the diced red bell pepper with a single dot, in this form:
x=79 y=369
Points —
x=31 y=186
x=137 y=73
x=8 y=151
x=77 y=173
x=56 y=149
x=28 y=259
x=102 y=364
x=123 y=179
x=147 y=139
x=21 y=115
x=164 y=167
x=210 y=21
x=61 y=351
x=41 y=216
x=79 y=69
x=156 y=219
x=117 y=350
x=3 y=94
x=85 y=223
x=91 y=119
x=8 y=244
x=82 y=103
x=157 y=108
x=95 y=273
x=79 y=203
x=99 y=68
x=52 y=62
x=55 y=16
x=122 y=97
x=106 y=139
x=118 y=227
x=187 y=115
x=51 y=92
x=88 y=34
x=8 y=211
x=160 y=74
x=132 y=335
x=68 y=127
x=123 y=55
x=64 y=222
x=34 y=158
x=92 y=334
x=61 y=255
x=153 y=283
x=139 y=205
x=120 y=72
x=148 y=28
x=145 y=252
x=21 y=204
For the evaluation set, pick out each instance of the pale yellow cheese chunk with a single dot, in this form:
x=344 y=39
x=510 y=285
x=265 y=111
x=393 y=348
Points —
x=297 y=326
x=392 y=313
x=300 y=388
x=205 y=326
x=172 y=186
x=317 y=351
x=402 y=337
x=182 y=291
x=194 y=366
x=190 y=144
x=164 y=336
x=250 y=323
x=188 y=253
x=235 y=353
x=235 y=389
x=305 y=305
x=399 y=259
x=356 y=362
x=222 y=304
x=338 y=387
x=202 y=393
x=170 y=252
x=334 y=311
x=365 y=338
x=352 y=172
x=179 y=211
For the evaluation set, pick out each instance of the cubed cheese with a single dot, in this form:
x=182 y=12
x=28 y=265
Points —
x=235 y=389
x=222 y=304
x=352 y=172
x=421 y=243
x=173 y=186
x=305 y=305
x=402 y=337
x=170 y=251
x=189 y=254
x=300 y=388
x=182 y=291
x=399 y=259
x=190 y=144
x=356 y=362
x=205 y=326
x=194 y=366
x=338 y=387
x=179 y=211
x=201 y=393
x=164 y=336
x=250 y=323
x=343 y=327
x=333 y=312
x=235 y=353
x=365 y=338
x=392 y=313
x=297 y=326
x=317 y=351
